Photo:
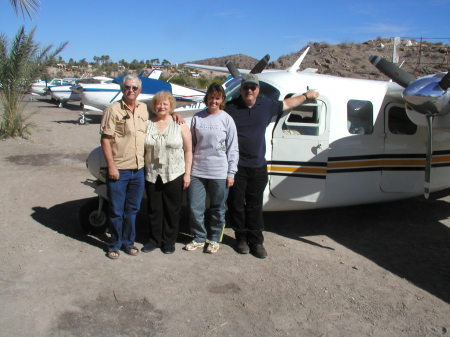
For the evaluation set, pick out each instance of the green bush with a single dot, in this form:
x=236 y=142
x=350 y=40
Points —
x=21 y=63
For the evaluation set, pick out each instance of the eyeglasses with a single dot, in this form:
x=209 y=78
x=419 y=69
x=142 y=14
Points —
x=249 y=87
x=129 y=87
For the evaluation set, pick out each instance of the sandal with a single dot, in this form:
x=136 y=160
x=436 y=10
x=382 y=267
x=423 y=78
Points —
x=133 y=251
x=113 y=254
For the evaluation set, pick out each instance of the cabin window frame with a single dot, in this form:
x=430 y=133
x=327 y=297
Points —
x=307 y=119
x=360 y=117
x=404 y=124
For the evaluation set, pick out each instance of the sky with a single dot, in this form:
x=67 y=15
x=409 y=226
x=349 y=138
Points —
x=189 y=30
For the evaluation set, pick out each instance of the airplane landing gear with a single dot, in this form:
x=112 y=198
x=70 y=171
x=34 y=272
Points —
x=94 y=215
x=82 y=120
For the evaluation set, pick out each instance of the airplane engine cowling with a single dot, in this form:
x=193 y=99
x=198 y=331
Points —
x=96 y=164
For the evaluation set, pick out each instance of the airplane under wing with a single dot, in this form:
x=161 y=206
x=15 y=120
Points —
x=214 y=68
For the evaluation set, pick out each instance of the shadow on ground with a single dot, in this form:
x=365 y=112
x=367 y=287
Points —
x=90 y=119
x=65 y=219
x=407 y=237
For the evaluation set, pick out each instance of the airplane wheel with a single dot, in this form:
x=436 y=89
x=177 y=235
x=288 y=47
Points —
x=90 y=220
x=82 y=121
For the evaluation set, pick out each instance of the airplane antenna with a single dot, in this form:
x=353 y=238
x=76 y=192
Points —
x=296 y=65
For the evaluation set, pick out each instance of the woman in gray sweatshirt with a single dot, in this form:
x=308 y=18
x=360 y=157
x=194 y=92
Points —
x=215 y=158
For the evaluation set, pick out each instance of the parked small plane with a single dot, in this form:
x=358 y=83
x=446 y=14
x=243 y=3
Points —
x=97 y=97
x=64 y=93
x=40 y=88
x=356 y=143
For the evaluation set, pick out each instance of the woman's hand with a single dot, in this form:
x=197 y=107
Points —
x=186 y=181
x=230 y=181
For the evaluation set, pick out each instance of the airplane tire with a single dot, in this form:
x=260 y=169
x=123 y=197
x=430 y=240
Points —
x=82 y=121
x=90 y=221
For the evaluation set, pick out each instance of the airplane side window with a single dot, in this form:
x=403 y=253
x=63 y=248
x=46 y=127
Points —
x=268 y=91
x=399 y=123
x=359 y=117
x=303 y=120
x=233 y=89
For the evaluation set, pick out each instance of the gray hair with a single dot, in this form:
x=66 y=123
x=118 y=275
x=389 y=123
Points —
x=131 y=78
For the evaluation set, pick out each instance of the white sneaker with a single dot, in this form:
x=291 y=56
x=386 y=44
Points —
x=193 y=245
x=213 y=247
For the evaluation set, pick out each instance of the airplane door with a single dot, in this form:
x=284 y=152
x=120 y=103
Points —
x=298 y=168
x=402 y=169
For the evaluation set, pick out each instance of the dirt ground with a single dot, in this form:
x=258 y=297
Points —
x=377 y=270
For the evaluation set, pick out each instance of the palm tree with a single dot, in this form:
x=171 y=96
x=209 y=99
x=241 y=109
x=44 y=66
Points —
x=20 y=64
x=28 y=6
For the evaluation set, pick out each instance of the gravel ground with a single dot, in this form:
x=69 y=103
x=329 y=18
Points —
x=376 y=270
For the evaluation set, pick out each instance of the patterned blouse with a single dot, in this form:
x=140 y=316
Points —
x=164 y=154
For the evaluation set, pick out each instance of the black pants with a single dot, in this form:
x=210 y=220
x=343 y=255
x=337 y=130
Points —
x=164 y=205
x=245 y=203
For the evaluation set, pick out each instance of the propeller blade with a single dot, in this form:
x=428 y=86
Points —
x=232 y=69
x=427 y=183
x=259 y=67
x=392 y=71
x=445 y=82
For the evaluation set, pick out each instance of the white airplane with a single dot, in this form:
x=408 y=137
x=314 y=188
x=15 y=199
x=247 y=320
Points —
x=97 y=97
x=358 y=143
x=40 y=88
x=64 y=93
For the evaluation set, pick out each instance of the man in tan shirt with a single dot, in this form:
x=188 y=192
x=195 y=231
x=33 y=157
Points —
x=122 y=138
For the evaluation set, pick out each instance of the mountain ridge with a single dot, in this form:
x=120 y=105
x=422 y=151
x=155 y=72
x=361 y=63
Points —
x=352 y=59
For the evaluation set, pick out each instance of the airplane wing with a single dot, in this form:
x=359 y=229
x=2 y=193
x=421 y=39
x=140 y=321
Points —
x=258 y=68
x=214 y=68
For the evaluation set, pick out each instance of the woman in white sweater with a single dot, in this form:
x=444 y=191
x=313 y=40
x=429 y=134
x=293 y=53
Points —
x=215 y=158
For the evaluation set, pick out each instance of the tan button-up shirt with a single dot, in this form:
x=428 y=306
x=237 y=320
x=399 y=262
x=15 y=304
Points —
x=128 y=131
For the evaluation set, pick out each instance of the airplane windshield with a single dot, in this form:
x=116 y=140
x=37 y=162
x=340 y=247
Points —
x=233 y=90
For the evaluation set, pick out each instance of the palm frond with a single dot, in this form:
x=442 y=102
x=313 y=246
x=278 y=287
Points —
x=26 y=6
x=21 y=63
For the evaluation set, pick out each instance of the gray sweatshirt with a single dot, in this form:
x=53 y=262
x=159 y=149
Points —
x=215 y=145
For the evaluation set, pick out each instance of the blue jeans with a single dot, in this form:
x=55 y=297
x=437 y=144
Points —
x=217 y=191
x=125 y=197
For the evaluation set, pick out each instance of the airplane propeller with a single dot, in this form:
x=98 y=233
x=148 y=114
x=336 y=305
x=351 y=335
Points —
x=427 y=95
x=257 y=68
x=232 y=69
x=261 y=65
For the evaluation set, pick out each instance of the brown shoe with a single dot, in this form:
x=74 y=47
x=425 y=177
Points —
x=258 y=251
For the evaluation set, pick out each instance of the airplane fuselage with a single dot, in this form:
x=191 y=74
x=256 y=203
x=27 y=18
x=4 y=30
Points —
x=353 y=145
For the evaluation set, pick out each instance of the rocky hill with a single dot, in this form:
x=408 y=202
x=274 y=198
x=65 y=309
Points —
x=240 y=60
x=352 y=59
